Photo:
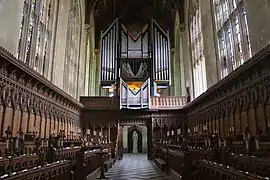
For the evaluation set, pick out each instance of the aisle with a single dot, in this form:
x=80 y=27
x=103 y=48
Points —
x=135 y=167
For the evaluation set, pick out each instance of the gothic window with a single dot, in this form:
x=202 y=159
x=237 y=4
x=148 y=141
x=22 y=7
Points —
x=35 y=33
x=232 y=33
x=72 y=43
x=198 y=61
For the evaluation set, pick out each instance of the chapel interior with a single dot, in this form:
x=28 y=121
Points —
x=135 y=89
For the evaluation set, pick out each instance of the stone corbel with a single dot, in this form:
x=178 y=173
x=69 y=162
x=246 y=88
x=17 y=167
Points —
x=181 y=27
x=87 y=27
x=96 y=51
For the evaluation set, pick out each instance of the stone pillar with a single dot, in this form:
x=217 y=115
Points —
x=59 y=65
x=87 y=59
x=96 y=79
x=179 y=80
x=174 y=70
x=49 y=64
x=82 y=62
x=187 y=66
x=149 y=139
x=120 y=142
x=209 y=45
x=181 y=31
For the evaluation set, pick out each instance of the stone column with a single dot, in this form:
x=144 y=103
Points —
x=209 y=45
x=96 y=79
x=187 y=66
x=93 y=73
x=120 y=141
x=178 y=62
x=58 y=70
x=149 y=139
x=83 y=62
x=49 y=64
x=87 y=59
x=173 y=72
x=182 y=60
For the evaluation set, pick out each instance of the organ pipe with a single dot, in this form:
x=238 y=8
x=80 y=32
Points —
x=149 y=52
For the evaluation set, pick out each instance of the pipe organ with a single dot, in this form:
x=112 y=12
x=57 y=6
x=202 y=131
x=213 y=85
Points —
x=134 y=66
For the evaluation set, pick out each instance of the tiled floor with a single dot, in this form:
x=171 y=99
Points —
x=135 y=167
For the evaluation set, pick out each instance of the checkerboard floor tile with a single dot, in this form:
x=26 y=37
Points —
x=135 y=167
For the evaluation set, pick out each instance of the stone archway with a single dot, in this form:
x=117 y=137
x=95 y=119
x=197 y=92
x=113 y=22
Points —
x=130 y=141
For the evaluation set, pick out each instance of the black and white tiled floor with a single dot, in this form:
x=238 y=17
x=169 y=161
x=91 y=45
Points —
x=135 y=167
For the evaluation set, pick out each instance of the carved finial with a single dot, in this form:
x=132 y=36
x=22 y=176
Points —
x=8 y=132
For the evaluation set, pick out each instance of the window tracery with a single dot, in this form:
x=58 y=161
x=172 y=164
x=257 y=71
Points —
x=232 y=34
x=35 y=33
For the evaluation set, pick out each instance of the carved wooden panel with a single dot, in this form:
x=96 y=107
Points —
x=26 y=98
x=100 y=102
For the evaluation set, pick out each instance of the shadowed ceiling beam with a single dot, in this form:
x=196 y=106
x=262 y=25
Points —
x=163 y=4
x=105 y=5
x=114 y=8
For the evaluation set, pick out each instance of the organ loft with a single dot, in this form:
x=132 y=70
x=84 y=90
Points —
x=125 y=89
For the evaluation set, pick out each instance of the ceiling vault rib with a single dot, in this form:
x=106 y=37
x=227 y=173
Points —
x=134 y=11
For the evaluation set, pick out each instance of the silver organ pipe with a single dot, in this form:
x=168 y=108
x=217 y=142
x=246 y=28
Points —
x=110 y=55
x=155 y=55
x=147 y=54
x=106 y=57
x=102 y=59
x=163 y=57
x=109 y=41
x=113 y=52
x=166 y=62
x=161 y=54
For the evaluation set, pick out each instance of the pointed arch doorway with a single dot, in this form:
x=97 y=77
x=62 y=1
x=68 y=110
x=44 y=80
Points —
x=131 y=130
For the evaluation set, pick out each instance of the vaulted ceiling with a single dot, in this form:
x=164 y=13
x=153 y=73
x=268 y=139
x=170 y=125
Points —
x=134 y=11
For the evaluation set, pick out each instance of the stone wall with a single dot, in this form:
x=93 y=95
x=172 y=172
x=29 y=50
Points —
x=10 y=18
x=239 y=103
x=258 y=16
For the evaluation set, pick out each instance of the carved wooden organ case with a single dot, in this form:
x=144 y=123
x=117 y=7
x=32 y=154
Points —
x=134 y=66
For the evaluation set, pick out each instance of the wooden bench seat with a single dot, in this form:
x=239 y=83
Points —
x=160 y=163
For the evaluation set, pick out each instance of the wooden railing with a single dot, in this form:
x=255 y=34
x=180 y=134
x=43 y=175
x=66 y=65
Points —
x=56 y=171
x=112 y=103
x=70 y=163
x=207 y=170
x=14 y=164
x=100 y=102
x=168 y=102
x=193 y=162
